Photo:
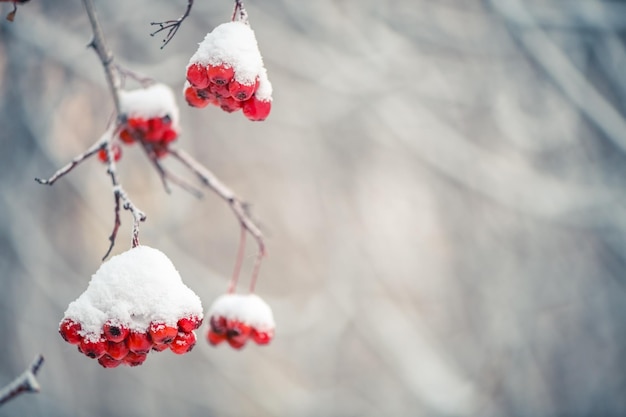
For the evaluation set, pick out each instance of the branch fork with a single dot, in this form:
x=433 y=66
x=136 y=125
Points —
x=114 y=74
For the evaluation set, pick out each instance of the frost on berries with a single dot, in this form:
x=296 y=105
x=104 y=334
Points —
x=227 y=71
x=135 y=302
x=236 y=318
x=152 y=118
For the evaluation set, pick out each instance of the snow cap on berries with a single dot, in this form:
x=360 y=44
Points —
x=249 y=309
x=264 y=92
x=233 y=44
x=133 y=289
x=154 y=101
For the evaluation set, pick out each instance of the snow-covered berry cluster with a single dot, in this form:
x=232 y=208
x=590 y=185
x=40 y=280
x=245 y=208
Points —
x=236 y=318
x=151 y=119
x=227 y=71
x=135 y=302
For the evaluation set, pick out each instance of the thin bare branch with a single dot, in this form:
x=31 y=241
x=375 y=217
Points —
x=112 y=73
x=121 y=196
x=100 y=144
x=172 y=25
x=26 y=382
x=105 y=55
x=240 y=14
x=165 y=174
x=212 y=182
x=116 y=225
x=143 y=80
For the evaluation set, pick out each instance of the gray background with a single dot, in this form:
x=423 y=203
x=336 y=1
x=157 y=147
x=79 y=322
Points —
x=441 y=184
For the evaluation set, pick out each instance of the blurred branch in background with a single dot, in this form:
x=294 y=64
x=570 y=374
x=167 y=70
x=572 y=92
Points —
x=26 y=382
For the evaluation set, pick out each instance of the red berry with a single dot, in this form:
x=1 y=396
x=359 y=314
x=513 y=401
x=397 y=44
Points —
x=255 y=109
x=138 y=123
x=169 y=136
x=69 y=331
x=262 y=337
x=241 y=92
x=187 y=324
x=161 y=333
x=156 y=128
x=127 y=137
x=160 y=150
x=117 y=351
x=194 y=99
x=197 y=76
x=114 y=332
x=236 y=344
x=115 y=150
x=93 y=348
x=183 y=342
x=215 y=338
x=108 y=362
x=219 y=91
x=229 y=104
x=220 y=74
x=218 y=325
x=160 y=347
x=237 y=333
x=139 y=342
x=135 y=359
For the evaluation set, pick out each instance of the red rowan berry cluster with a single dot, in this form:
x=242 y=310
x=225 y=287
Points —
x=151 y=120
x=135 y=302
x=227 y=71
x=236 y=318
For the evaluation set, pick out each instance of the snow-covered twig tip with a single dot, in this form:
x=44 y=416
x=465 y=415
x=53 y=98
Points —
x=26 y=382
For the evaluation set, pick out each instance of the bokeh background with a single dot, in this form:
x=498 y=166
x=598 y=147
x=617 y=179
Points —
x=441 y=184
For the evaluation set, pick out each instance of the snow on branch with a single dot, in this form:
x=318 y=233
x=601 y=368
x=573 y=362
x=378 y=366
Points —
x=26 y=382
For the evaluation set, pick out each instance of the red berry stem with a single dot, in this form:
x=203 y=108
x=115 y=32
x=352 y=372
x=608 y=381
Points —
x=238 y=262
x=255 y=271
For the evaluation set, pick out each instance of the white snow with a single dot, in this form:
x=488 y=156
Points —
x=156 y=100
x=249 y=309
x=132 y=289
x=232 y=44
x=264 y=92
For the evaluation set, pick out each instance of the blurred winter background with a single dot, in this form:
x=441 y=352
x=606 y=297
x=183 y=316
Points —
x=441 y=183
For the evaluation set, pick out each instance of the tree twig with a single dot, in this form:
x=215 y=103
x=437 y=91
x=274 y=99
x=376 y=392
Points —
x=237 y=206
x=113 y=79
x=105 y=55
x=96 y=147
x=172 y=25
x=165 y=174
x=26 y=382
x=240 y=14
